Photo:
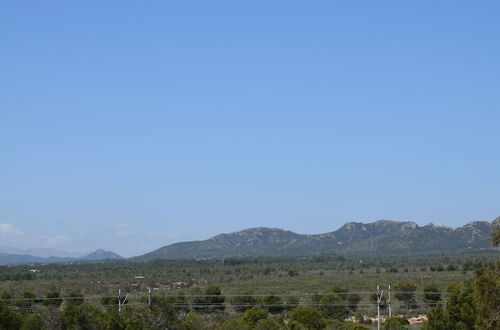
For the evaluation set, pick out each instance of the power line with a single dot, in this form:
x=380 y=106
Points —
x=169 y=295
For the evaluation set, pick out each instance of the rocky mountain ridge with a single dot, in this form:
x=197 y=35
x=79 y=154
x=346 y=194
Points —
x=380 y=238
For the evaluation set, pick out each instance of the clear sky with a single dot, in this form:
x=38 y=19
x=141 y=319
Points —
x=129 y=125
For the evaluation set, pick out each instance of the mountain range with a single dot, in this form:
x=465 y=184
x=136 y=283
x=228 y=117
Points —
x=42 y=252
x=380 y=238
x=12 y=256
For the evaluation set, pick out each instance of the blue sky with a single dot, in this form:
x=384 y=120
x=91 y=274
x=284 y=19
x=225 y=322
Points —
x=131 y=125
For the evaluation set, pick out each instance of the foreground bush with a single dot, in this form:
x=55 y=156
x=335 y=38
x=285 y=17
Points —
x=307 y=316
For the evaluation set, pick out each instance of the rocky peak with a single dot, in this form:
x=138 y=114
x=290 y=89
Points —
x=351 y=225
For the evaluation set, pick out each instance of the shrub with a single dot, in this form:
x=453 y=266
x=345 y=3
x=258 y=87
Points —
x=308 y=316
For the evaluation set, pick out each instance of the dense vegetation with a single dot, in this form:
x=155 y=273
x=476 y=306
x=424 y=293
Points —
x=456 y=292
x=474 y=303
x=243 y=293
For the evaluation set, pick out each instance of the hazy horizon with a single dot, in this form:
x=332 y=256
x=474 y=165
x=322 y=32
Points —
x=128 y=126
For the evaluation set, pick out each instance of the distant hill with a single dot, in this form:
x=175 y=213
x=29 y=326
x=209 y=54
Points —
x=15 y=259
x=42 y=252
x=380 y=238
x=19 y=259
x=101 y=254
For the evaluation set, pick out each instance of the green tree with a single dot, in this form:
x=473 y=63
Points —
x=437 y=319
x=216 y=294
x=231 y=324
x=6 y=297
x=179 y=300
x=405 y=292
x=253 y=315
x=83 y=316
x=472 y=304
x=460 y=309
x=495 y=233
x=53 y=298
x=32 y=322
x=209 y=300
x=291 y=302
x=161 y=314
x=112 y=320
x=135 y=319
x=486 y=296
x=9 y=320
x=109 y=300
x=27 y=299
x=52 y=318
x=431 y=294
x=353 y=300
x=74 y=298
x=194 y=321
x=273 y=304
x=294 y=325
x=268 y=324
x=338 y=325
x=244 y=302
x=309 y=317
x=333 y=306
x=396 y=323
x=338 y=289
x=335 y=301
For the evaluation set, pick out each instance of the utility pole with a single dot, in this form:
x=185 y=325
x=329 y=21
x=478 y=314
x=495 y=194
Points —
x=379 y=300
x=389 y=300
x=120 y=302
x=149 y=297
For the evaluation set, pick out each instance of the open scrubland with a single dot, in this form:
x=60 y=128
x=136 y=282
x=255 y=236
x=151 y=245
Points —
x=172 y=293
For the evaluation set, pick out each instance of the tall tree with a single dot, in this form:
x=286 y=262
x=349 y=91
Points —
x=431 y=294
x=495 y=233
x=8 y=319
x=405 y=292
x=309 y=317
x=460 y=309
x=437 y=319
x=486 y=296
x=473 y=304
